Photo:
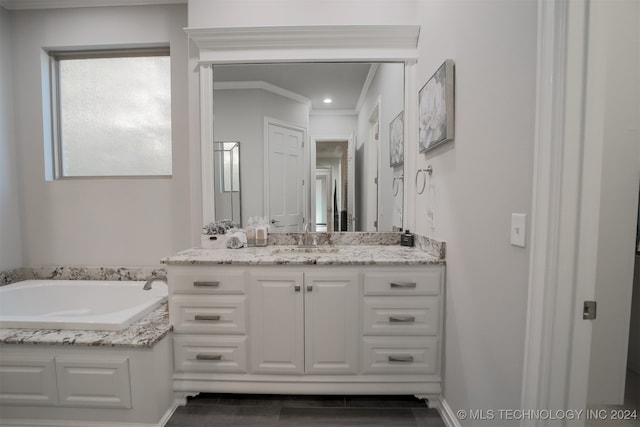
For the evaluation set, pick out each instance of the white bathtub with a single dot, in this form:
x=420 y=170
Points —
x=77 y=304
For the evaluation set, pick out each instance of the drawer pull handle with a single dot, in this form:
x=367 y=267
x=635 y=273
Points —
x=209 y=317
x=206 y=284
x=208 y=357
x=402 y=319
x=404 y=285
x=401 y=358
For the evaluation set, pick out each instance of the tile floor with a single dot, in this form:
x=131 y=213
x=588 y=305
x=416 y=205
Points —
x=229 y=410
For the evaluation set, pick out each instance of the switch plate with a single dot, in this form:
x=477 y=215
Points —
x=518 y=229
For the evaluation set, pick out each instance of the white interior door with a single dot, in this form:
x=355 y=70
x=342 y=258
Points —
x=284 y=177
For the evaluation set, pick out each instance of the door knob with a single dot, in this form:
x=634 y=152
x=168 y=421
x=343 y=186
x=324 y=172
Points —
x=309 y=288
x=273 y=221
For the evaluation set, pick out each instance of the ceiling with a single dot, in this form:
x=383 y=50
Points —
x=342 y=82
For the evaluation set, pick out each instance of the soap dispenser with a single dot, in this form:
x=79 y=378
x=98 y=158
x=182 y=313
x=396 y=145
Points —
x=407 y=239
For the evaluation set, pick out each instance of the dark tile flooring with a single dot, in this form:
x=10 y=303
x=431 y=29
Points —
x=229 y=410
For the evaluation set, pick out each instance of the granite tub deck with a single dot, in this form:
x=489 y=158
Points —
x=279 y=255
x=144 y=333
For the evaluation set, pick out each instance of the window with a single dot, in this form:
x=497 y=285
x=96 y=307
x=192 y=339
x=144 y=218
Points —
x=111 y=113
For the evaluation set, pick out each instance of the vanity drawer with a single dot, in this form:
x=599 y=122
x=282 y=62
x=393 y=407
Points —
x=401 y=315
x=400 y=355
x=220 y=314
x=205 y=280
x=423 y=282
x=202 y=353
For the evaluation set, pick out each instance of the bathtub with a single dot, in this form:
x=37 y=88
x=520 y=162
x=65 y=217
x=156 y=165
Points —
x=77 y=304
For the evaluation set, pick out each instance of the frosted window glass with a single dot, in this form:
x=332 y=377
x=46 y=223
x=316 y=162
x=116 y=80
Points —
x=115 y=116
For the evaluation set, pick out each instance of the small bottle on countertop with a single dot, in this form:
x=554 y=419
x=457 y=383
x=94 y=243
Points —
x=262 y=233
x=407 y=239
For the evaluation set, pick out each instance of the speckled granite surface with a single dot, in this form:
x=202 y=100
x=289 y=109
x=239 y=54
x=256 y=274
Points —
x=278 y=255
x=11 y=276
x=80 y=273
x=142 y=334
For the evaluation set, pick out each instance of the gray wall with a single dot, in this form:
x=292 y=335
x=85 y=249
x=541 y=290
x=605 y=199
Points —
x=239 y=116
x=10 y=223
x=480 y=179
x=124 y=222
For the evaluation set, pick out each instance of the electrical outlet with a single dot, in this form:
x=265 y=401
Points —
x=518 y=229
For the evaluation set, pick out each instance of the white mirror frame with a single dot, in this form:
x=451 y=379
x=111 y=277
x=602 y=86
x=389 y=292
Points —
x=359 y=43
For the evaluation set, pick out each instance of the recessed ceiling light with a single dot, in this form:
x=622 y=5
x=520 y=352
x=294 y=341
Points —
x=327 y=100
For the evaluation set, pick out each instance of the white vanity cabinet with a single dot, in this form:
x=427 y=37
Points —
x=304 y=322
x=336 y=329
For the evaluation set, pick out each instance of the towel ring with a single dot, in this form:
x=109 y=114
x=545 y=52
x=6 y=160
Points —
x=423 y=172
x=395 y=184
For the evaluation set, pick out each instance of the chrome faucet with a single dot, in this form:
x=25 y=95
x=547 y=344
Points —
x=304 y=239
x=150 y=280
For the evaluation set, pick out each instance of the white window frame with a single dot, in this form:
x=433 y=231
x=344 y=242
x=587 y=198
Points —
x=55 y=56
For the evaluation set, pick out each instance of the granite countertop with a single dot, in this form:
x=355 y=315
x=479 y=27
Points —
x=143 y=334
x=292 y=255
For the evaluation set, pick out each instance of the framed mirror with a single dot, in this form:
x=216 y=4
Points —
x=333 y=164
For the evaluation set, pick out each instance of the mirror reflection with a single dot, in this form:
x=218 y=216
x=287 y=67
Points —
x=316 y=141
x=227 y=197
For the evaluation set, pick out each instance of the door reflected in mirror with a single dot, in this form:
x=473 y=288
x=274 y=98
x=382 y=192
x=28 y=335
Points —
x=306 y=161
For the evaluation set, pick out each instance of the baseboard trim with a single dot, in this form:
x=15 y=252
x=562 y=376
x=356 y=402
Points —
x=447 y=414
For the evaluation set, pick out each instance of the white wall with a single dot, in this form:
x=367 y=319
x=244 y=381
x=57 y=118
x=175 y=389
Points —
x=255 y=13
x=387 y=87
x=239 y=116
x=480 y=179
x=10 y=224
x=122 y=222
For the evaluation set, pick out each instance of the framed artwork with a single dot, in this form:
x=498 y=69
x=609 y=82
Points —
x=396 y=140
x=435 y=108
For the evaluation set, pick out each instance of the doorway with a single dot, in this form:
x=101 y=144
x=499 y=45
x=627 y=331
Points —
x=324 y=211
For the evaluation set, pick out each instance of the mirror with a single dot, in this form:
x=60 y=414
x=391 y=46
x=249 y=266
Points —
x=307 y=159
x=227 y=196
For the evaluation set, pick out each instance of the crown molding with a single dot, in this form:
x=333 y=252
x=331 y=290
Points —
x=333 y=113
x=295 y=43
x=62 y=4
x=259 y=84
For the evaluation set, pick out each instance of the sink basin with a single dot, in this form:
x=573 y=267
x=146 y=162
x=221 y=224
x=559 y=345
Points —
x=305 y=250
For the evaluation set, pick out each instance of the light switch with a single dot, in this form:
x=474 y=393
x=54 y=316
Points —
x=518 y=229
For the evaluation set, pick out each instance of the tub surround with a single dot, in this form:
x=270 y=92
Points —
x=144 y=333
x=8 y=277
x=80 y=273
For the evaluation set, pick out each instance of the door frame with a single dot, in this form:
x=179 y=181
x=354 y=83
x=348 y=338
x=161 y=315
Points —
x=565 y=210
x=326 y=175
x=305 y=164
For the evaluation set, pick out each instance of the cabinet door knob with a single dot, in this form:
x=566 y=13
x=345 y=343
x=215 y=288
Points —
x=297 y=288
x=309 y=288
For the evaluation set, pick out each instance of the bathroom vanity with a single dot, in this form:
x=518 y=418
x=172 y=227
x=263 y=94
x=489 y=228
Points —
x=352 y=319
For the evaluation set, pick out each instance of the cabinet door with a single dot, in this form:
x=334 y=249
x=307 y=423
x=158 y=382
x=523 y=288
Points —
x=331 y=319
x=277 y=322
